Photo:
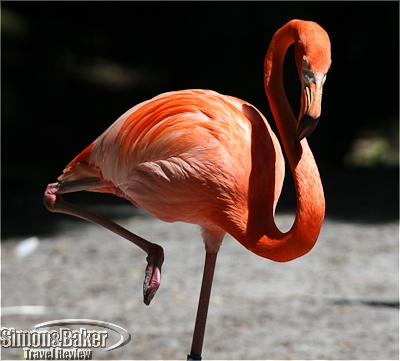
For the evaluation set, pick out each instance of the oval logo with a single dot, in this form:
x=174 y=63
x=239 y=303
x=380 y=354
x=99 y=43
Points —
x=125 y=336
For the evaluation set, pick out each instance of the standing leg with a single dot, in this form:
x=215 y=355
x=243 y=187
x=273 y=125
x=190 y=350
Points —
x=155 y=254
x=202 y=310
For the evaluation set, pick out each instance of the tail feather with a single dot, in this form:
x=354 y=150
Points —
x=76 y=171
x=80 y=168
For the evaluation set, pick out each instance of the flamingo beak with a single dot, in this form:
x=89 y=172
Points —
x=310 y=109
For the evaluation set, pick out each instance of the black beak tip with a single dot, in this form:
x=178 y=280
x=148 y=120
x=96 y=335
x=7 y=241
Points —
x=305 y=127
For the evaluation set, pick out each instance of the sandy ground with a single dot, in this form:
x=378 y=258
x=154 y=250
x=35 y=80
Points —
x=340 y=301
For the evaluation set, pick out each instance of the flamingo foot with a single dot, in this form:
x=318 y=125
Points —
x=152 y=277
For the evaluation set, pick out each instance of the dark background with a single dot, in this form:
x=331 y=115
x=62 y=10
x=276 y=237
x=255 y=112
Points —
x=69 y=69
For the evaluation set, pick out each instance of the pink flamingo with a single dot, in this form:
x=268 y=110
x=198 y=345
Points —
x=201 y=157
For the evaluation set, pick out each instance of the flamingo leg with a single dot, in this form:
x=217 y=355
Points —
x=155 y=254
x=202 y=310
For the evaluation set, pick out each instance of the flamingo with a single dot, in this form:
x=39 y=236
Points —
x=200 y=157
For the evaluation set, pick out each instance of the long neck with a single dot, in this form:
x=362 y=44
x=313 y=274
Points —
x=299 y=240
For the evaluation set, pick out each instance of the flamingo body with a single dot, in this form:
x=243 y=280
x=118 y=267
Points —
x=184 y=156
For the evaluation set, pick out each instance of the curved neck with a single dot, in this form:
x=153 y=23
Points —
x=299 y=240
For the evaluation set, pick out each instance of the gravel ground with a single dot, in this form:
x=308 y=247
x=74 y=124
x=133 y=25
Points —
x=340 y=301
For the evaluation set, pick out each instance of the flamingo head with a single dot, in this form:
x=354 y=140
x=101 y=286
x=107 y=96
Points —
x=313 y=59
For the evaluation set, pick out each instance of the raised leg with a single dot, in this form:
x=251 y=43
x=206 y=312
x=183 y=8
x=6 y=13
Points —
x=202 y=310
x=155 y=254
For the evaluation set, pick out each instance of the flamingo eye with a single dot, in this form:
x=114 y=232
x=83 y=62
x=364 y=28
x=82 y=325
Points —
x=308 y=76
x=306 y=73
